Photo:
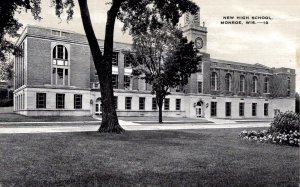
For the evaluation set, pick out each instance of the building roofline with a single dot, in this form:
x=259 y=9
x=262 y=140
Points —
x=62 y=30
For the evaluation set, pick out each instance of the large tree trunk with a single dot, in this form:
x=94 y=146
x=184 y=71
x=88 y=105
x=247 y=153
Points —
x=159 y=100
x=103 y=64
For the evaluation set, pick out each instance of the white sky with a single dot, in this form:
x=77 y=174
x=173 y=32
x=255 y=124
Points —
x=273 y=45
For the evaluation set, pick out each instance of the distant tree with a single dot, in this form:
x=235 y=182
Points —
x=9 y=25
x=164 y=59
x=7 y=71
x=297 y=109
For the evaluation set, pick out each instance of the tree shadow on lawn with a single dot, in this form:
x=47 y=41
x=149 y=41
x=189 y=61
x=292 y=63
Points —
x=160 y=158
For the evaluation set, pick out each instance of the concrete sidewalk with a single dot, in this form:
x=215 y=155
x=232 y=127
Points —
x=126 y=125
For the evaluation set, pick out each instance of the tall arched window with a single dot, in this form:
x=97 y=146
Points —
x=254 y=84
x=214 y=81
x=60 y=65
x=60 y=52
x=266 y=85
x=228 y=82
x=242 y=83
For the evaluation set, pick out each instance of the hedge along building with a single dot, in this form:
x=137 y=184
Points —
x=56 y=76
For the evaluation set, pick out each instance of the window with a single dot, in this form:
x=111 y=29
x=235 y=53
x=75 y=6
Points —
x=116 y=102
x=128 y=58
x=242 y=109
x=115 y=81
x=266 y=109
x=242 y=83
x=254 y=84
x=65 y=34
x=40 y=100
x=213 y=108
x=289 y=86
x=178 y=104
x=214 y=81
x=167 y=104
x=128 y=103
x=142 y=103
x=228 y=108
x=78 y=101
x=199 y=87
x=115 y=59
x=266 y=85
x=200 y=67
x=60 y=100
x=57 y=33
x=228 y=82
x=154 y=104
x=126 y=82
x=60 y=52
x=254 y=109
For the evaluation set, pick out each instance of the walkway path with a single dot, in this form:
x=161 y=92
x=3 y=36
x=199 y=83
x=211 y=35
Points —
x=125 y=124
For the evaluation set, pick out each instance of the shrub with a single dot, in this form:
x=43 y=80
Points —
x=284 y=130
x=285 y=122
x=6 y=103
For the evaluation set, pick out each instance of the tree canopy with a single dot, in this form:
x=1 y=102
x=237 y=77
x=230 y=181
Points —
x=164 y=59
x=9 y=25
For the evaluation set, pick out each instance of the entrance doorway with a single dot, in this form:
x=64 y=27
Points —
x=199 y=110
x=98 y=109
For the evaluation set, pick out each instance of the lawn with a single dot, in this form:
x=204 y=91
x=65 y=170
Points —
x=11 y=117
x=145 y=158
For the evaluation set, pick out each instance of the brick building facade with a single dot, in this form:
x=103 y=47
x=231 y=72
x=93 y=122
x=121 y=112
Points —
x=56 y=76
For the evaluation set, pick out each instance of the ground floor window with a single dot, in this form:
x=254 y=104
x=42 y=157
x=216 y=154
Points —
x=60 y=100
x=128 y=103
x=115 y=81
x=242 y=109
x=213 y=108
x=77 y=101
x=116 y=102
x=40 y=100
x=178 y=104
x=167 y=104
x=199 y=87
x=228 y=108
x=154 y=104
x=266 y=109
x=142 y=103
x=254 y=109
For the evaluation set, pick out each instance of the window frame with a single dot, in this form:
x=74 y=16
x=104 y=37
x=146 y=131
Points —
x=115 y=81
x=214 y=81
x=60 y=104
x=254 y=84
x=115 y=57
x=242 y=83
x=266 y=85
x=254 y=109
x=228 y=82
x=200 y=86
x=266 y=109
x=142 y=101
x=227 y=109
x=241 y=109
x=128 y=101
x=154 y=103
x=77 y=101
x=167 y=104
x=178 y=104
x=213 y=108
x=41 y=102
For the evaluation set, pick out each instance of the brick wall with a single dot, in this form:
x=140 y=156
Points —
x=38 y=61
